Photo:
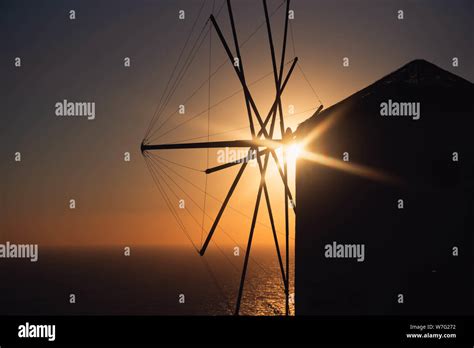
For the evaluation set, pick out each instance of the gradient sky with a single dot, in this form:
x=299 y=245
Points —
x=82 y=60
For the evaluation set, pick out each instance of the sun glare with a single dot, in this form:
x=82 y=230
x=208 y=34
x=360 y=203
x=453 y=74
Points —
x=294 y=151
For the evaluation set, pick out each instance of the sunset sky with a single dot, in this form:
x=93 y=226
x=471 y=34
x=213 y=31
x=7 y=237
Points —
x=82 y=60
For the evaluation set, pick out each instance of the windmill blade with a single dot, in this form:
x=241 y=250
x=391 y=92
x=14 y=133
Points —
x=214 y=144
x=221 y=210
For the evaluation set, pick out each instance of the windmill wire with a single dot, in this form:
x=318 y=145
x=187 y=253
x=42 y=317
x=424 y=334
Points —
x=195 y=203
x=309 y=83
x=220 y=9
x=184 y=103
x=176 y=83
x=236 y=92
x=192 y=200
x=179 y=164
x=292 y=39
x=183 y=70
x=212 y=196
x=152 y=122
x=197 y=222
x=182 y=226
x=252 y=259
x=170 y=206
x=160 y=188
x=188 y=61
x=261 y=25
x=217 y=199
x=299 y=65
x=224 y=61
x=157 y=164
x=208 y=268
x=211 y=135
x=209 y=217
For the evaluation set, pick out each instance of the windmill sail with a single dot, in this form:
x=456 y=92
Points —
x=221 y=122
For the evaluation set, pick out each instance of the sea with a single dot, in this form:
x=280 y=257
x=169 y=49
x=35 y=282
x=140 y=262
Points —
x=159 y=280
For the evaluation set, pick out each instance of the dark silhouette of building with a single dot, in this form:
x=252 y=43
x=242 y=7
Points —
x=409 y=251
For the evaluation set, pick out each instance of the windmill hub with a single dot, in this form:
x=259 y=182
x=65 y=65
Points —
x=289 y=137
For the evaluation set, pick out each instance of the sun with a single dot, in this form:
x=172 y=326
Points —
x=294 y=151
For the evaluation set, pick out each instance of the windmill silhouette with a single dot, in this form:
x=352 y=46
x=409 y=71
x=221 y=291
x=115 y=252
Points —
x=262 y=145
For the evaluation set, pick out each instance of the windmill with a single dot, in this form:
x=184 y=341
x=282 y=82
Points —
x=260 y=147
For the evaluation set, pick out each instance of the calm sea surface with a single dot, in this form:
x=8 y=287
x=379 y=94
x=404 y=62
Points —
x=148 y=282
